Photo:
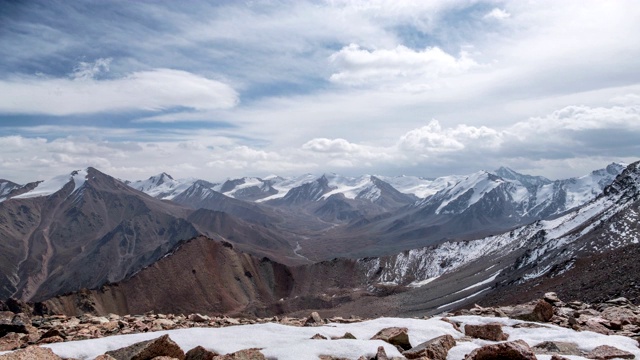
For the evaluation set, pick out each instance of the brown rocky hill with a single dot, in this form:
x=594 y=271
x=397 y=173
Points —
x=208 y=276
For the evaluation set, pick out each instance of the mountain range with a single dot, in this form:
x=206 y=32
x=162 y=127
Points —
x=304 y=242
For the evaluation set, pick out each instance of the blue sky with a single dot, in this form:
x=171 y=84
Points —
x=217 y=89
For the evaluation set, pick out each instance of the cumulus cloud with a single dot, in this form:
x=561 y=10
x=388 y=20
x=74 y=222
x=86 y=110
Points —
x=432 y=138
x=396 y=67
x=151 y=90
x=325 y=145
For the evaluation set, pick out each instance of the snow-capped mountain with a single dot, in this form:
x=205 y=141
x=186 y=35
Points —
x=201 y=195
x=418 y=186
x=543 y=248
x=247 y=188
x=528 y=197
x=162 y=186
x=363 y=189
x=6 y=188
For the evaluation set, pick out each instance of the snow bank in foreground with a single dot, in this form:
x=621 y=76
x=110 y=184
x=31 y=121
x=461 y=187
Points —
x=294 y=343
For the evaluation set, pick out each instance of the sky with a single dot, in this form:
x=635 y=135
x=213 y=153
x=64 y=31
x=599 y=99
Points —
x=223 y=89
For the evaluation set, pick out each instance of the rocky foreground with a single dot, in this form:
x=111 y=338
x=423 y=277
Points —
x=29 y=334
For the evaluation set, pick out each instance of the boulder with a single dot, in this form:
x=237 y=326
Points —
x=619 y=301
x=551 y=298
x=596 y=324
x=50 y=340
x=558 y=357
x=145 y=350
x=19 y=323
x=318 y=337
x=609 y=352
x=491 y=331
x=347 y=336
x=52 y=333
x=619 y=314
x=199 y=318
x=11 y=341
x=200 y=353
x=164 y=324
x=381 y=354
x=397 y=336
x=31 y=353
x=314 y=319
x=248 y=354
x=434 y=349
x=557 y=347
x=542 y=311
x=513 y=350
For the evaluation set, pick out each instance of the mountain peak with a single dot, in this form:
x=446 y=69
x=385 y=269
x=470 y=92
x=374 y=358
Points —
x=526 y=180
x=615 y=168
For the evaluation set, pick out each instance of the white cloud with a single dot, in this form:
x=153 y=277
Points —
x=434 y=140
x=404 y=65
x=497 y=14
x=565 y=142
x=325 y=145
x=87 y=70
x=582 y=118
x=397 y=67
x=144 y=90
x=627 y=99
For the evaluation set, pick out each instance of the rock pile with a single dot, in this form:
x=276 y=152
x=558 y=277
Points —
x=614 y=317
x=21 y=330
x=617 y=316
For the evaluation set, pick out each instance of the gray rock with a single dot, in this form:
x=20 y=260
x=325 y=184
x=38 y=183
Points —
x=314 y=319
x=200 y=353
x=492 y=332
x=542 y=311
x=609 y=352
x=434 y=349
x=395 y=336
x=145 y=350
x=513 y=350
x=557 y=347
x=31 y=353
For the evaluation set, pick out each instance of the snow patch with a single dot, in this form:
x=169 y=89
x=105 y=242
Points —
x=55 y=184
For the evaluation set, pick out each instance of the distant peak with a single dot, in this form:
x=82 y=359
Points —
x=616 y=168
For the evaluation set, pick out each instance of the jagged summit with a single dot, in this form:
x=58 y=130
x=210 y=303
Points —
x=162 y=186
x=526 y=180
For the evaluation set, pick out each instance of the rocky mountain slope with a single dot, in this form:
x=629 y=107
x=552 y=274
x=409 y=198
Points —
x=208 y=276
x=87 y=228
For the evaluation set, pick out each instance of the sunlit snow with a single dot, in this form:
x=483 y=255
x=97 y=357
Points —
x=53 y=185
x=294 y=343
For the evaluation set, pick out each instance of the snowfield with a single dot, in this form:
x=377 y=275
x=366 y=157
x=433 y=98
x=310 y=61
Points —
x=54 y=185
x=294 y=343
